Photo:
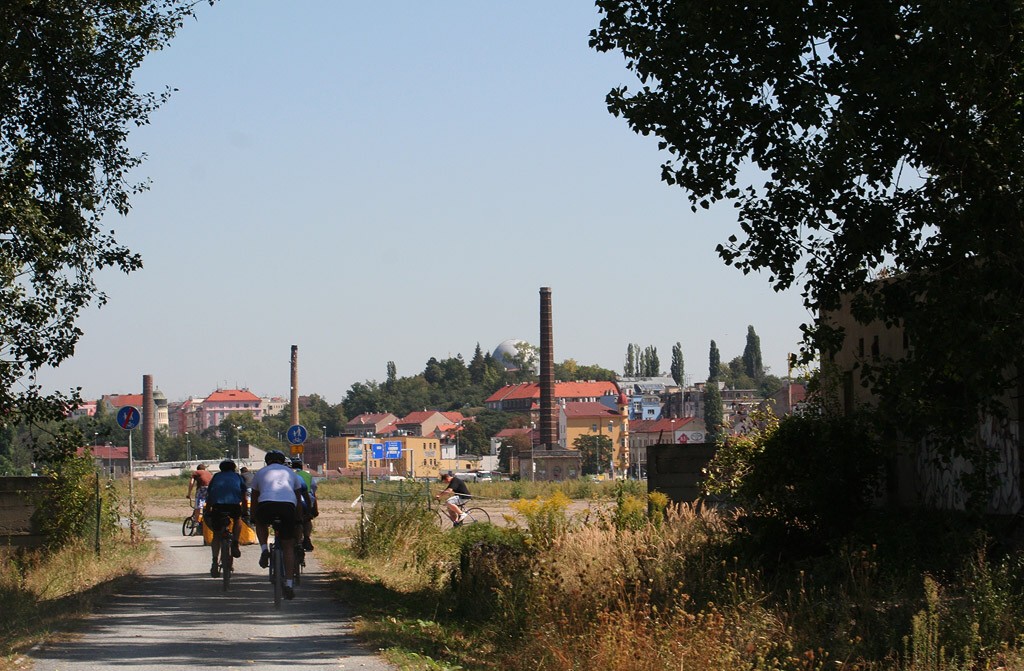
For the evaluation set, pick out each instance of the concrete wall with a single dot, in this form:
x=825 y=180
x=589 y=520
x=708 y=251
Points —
x=17 y=504
x=677 y=470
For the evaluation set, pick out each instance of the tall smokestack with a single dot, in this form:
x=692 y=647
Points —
x=548 y=411
x=295 y=385
x=148 y=419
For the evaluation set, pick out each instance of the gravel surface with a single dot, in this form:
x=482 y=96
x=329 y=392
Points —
x=177 y=617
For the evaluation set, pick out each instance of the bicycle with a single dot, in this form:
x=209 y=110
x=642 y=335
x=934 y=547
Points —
x=474 y=515
x=300 y=563
x=191 y=526
x=226 y=561
x=277 y=561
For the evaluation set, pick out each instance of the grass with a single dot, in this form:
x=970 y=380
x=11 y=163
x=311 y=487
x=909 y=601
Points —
x=691 y=589
x=48 y=593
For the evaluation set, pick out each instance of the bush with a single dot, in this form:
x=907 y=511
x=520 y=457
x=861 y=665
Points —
x=391 y=523
x=813 y=475
x=67 y=509
x=492 y=581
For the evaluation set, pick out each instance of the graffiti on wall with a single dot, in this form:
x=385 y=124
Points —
x=938 y=477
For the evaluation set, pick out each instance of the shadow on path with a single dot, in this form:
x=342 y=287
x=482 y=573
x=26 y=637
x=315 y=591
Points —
x=177 y=617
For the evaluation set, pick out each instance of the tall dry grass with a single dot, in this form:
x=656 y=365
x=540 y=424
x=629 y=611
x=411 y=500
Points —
x=44 y=591
x=689 y=587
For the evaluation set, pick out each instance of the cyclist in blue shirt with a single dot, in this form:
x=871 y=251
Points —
x=225 y=498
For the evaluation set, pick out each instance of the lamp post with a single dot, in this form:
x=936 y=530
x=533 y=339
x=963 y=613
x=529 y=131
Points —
x=188 y=448
x=238 y=443
x=324 y=459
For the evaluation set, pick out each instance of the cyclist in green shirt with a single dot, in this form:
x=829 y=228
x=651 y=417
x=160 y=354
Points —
x=310 y=507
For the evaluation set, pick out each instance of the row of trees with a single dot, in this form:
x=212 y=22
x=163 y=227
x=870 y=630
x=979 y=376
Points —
x=743 y=372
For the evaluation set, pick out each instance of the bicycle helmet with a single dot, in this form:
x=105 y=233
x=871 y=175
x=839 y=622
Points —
x=275 y=457
x=296 y=462
x=227 y=465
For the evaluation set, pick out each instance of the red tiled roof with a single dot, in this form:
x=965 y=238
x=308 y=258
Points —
x=562 y=390
x=588 y=409
x=641 y=425
x=367 y=418
x=104 y=451
x=222 y=395
x=454 y=416
x=508 y=433
x=418 y=417
x=121 y=400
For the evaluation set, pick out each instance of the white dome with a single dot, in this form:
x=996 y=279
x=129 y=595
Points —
x=506 y=352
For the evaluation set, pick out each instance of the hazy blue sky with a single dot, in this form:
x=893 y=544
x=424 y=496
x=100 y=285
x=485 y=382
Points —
x=392 y=181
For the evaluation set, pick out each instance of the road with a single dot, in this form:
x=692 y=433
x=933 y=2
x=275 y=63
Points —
x=177 y=618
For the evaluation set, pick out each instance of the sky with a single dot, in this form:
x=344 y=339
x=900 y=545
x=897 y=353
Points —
x=395 y=181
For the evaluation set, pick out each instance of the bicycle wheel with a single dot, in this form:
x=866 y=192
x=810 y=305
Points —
x=300 y=561
x=226 y=560
x=277 y=573
x=441 y=520
x=476 y=516
x=188 y=527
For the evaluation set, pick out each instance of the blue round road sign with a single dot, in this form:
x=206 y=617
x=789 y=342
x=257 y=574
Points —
x=297 y=434
x=128 y=417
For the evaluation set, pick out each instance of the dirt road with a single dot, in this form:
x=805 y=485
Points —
x=338 y=519
x=177 y=618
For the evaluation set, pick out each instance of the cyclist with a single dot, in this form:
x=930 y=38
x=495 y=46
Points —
x=457 y=493
x=225 y=497
x=276 y=492
x=309 y=507
x=200 y=480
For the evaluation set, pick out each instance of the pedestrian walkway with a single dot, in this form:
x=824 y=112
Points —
x=177 y=618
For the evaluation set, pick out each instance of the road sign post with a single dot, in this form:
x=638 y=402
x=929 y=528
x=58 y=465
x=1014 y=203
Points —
x=297 y=435
x=128 y=418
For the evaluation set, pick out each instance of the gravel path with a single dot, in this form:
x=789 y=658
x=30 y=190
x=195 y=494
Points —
x=178 y=618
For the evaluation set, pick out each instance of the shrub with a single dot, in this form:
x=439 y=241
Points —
x=392 y=523
x=492 y=581
x=814 y=475
x=67 y=509
x=546 y=519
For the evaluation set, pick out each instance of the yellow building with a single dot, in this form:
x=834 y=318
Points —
x=420 y=456
x=595 y=419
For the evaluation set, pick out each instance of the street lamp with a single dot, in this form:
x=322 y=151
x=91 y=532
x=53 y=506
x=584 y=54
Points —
x=324 y=459
x=188 y=447
x=238 y=443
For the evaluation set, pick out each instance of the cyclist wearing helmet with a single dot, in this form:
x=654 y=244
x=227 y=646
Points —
x=309 y=508
x=276 y=492
x=225 y=498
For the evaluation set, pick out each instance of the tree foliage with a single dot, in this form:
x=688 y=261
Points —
x=67 y=101
x=816 y=473
x=677 y=369
x=595 y=453
x=713 y=413
x=854 y=139
x=753 y=366
x=629 y=369
x=571 y=371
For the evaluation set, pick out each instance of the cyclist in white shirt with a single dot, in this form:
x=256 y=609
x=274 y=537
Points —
x=276 y=489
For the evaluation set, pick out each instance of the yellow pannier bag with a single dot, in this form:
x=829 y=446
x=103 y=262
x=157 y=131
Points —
x=246 y=537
